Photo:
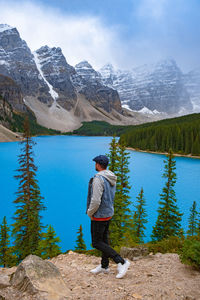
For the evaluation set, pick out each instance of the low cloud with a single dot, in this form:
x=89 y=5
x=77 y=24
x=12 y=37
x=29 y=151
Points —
x=157 y=29
x=80 y=37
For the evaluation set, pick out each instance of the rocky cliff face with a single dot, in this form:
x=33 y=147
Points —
x=11 y=92
x=90 y=85
x=55 y=70
x=5 y=112
x=192 y=83
x=17 y=62
x=158 y=87
x=45 y=77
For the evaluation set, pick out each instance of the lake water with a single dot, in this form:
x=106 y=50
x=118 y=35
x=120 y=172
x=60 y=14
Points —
x=64 y=168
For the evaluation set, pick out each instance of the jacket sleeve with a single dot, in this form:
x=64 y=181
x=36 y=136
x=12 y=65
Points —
x=97 y=191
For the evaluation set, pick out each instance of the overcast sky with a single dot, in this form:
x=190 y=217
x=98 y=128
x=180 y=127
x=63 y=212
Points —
x=126 y=33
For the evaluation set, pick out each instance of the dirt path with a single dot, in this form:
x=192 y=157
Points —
x=156 y=277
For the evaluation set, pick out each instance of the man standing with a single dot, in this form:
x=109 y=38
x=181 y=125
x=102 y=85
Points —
x=100 y=208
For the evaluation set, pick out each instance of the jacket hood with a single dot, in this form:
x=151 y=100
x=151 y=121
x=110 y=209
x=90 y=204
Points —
x=109 y=175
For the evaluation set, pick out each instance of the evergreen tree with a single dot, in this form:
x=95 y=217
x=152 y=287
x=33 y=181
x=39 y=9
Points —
x=198 y=226
x=139 y=218
x=80 y=244
x=27 y=227
x=121 y=220
x=193 y=220
x=5 y=255
x=48 y=245
x=113 y=155
x=169 y=217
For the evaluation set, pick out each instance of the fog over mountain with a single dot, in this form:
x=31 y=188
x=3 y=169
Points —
x=160 y=87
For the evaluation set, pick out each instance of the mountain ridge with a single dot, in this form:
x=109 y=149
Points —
x=157 y=88
x=65 y=96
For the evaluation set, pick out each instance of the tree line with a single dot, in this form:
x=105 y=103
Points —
x=182 y=135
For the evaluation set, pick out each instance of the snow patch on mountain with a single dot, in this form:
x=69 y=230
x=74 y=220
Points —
x=3 y=62
x=86 y=71
x=127 y=107
x=52 y=92
x=4 y=27
x=145 y=110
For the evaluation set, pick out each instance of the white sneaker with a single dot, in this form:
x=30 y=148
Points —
x=99 y=269
x=122 y=269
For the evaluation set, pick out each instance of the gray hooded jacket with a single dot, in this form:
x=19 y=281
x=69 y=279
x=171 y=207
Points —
x=101 y=193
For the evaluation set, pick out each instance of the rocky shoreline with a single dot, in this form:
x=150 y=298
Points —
x=163 y=153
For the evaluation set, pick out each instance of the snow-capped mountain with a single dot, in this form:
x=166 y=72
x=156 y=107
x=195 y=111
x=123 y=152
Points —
x=157 y=88
x=52 y=88
x=17 y=62
x=86 y=71
x=56 y=72
x=62 y=96
x=90 y=85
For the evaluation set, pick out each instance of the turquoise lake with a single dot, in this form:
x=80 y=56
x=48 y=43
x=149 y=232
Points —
x=64 y=168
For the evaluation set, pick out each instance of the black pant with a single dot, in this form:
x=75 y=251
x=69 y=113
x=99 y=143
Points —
x=99 y=232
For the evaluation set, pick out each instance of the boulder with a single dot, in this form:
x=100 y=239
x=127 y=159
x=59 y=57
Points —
x=41 y=278
x=133 y=253
x=4 y=281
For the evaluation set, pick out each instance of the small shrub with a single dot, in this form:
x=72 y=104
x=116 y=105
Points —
x=190 y=253
x=172 y=244
x=93 y=252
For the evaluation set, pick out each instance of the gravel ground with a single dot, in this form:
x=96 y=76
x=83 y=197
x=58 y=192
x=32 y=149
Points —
x=154 y=277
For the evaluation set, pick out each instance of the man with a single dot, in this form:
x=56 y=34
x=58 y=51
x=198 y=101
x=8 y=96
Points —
x=100 y=208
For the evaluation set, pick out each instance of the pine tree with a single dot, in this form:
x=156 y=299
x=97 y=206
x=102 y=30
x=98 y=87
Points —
x=113 y=155
x=169 y=217
x=27 y=227
x=193 y=220
x=121 y=220
x=80 y=244
x=5 y=255
x=198 y=225
x=48 y=245
x=139 y=218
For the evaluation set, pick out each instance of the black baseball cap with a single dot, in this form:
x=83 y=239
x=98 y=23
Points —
x=102 y=160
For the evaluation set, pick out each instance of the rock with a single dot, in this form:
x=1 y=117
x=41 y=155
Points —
x=88 y=82
x=132 y=253
x=11 y=92
x=136 y=296
x=17 y=62
x=192 y=83
x=158 y=254
x=57 y=72
x=38 y=277
x=4 y=281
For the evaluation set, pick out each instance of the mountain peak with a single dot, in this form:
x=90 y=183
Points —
x=4 y=27
x=169 y=62
x=83 y=64
x=47 y=49
x=107 y=68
